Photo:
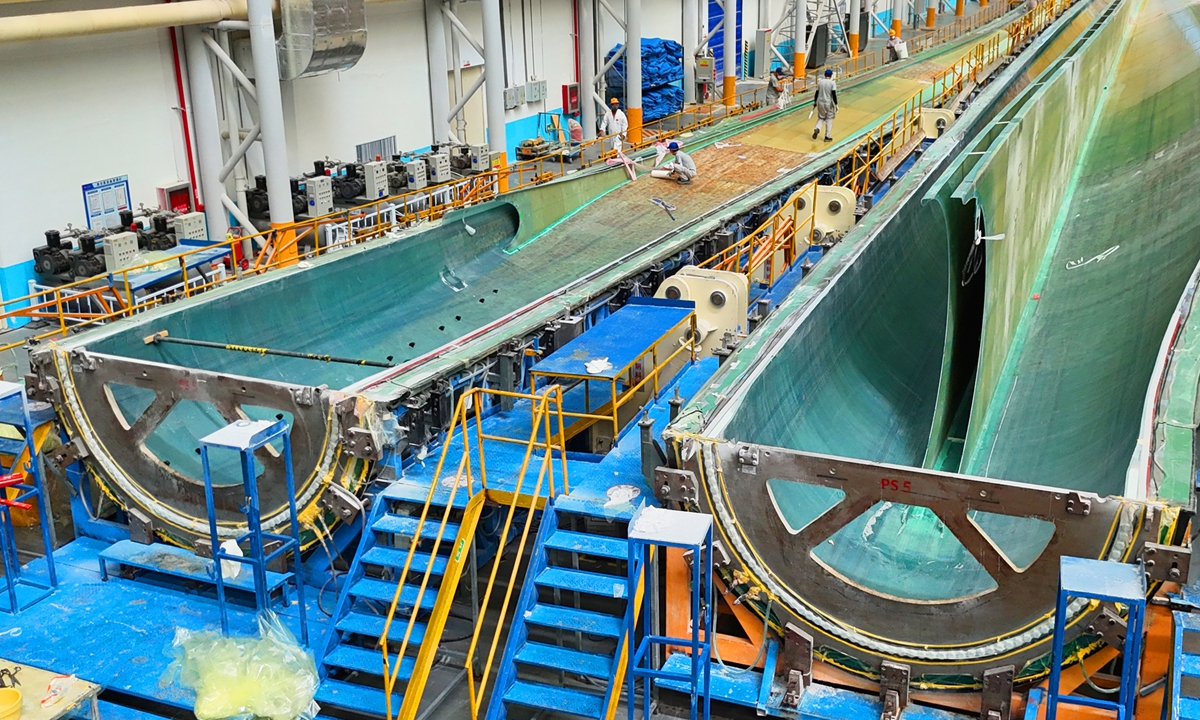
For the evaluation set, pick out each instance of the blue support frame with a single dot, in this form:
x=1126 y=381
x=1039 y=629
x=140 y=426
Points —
x=21 y=592
x=689 y=531
x=246 y=437
x=1107 y=582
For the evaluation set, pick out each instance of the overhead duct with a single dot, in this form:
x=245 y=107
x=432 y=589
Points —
x=320 y=36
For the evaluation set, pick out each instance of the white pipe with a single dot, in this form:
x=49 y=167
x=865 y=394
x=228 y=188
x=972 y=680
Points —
x=456 y=61
x=462 y=100
x=799 y=18
x=587 y=67
x=609 y=63
x=493 y=60
x=238 y=215
x=208 y=132
x=270 y=110
x=715 y=29
x=691 y=28
x=613 y=13
x=633 y=64
x=233 y=125
x=462 y=29
x=855 y=11
x=95 y=22
x=240 y=152
x=439 y=89
x=230 y=66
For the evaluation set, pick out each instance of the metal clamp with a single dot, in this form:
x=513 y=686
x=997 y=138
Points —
x=893 y=689
x=341 y=502
x=797 y=663
x=1166 y=562
x=676 y=485
x=1109 y=627
x=996 y=699
x=748 y=459
x=1078 y=504
x=63 y=455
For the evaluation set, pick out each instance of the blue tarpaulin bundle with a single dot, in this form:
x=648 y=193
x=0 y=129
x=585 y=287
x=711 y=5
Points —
x=662 y=67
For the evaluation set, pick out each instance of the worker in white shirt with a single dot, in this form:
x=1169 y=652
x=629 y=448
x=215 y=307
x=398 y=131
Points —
x=614 y=122
x=775 y=87
x=826 y=105
x=681 y=169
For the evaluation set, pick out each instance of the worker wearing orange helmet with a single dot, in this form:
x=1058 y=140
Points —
x=614 y=121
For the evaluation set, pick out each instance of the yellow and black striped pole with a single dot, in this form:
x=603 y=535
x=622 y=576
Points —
x=162 y=337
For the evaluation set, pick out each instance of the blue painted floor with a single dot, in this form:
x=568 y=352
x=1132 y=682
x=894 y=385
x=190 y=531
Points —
x=118 y=633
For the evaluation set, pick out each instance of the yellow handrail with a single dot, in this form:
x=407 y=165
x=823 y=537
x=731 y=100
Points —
x=614 y=689
x=469 y=406
x=541 y=421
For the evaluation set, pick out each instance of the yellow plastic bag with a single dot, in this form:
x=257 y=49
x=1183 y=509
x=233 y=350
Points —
x=270 y=676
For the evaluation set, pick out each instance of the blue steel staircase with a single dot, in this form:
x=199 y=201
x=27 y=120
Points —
x=352 y=662
x=1183 y=691
x=575 y=586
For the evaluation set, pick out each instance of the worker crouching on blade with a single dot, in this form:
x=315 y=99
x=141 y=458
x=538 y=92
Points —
x=775 y=87
x=681 y=169
x=826 y=105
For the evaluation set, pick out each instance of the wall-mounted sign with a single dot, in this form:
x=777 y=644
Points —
x=103 y=201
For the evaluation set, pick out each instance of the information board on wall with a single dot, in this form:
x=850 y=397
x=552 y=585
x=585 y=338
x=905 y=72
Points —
x=104 y=200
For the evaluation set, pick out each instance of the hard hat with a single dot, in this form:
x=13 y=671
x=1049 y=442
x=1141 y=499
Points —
x=828 y=72
x=891 y=33
x=673 y=146
x=614 y=101
x=778 y=71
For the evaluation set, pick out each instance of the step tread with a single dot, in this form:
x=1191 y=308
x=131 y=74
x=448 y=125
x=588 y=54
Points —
x=416 y=493
x=406 y=525
x=598 y=545
x=360 y=698
x=384 y=591
x=565 y=659
x=385 y=556
x=556 y=699
x=371 y=625
x=370 y=661
x=568 y=618
x=583 y=581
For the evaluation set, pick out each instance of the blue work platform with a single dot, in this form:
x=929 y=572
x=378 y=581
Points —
x=693 y=532
x=246 y=437
x=1107 y=582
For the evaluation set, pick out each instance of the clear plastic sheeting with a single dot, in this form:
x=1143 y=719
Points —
x=270 y=676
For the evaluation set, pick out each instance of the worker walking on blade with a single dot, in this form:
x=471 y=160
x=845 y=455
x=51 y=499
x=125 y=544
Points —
x=826 y=103
x=681 y=169
x=615 y=122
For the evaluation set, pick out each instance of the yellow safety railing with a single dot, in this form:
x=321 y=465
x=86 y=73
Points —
x=282 y=246
x=613 y=695
x=786 y=232
x=546 y=406
x=544 y=437
x=611 y=411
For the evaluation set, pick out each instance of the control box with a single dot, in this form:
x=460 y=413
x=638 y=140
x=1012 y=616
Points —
x=376 y=180
x=535 y=91
x=705 y=70
x=481 y=158
x=438 y=165
x=318 y=191
x=417 y=177
x=120 y=251
x=514 y=97
x=191 y=226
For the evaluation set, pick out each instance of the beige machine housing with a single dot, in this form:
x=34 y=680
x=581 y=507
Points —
x=722 y=301
x=935 y=121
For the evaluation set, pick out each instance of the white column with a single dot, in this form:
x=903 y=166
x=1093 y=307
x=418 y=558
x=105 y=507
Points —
x=633 y=68
x=799 y=41
x=852 y=31
x=208 y=132
x=691 y=27
x=762 y=55
x=729 y=52
x=270 y=110
x=493 y=90
x=587 y=67
x=439 y=91
x=897 y=16
x=233 y=124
